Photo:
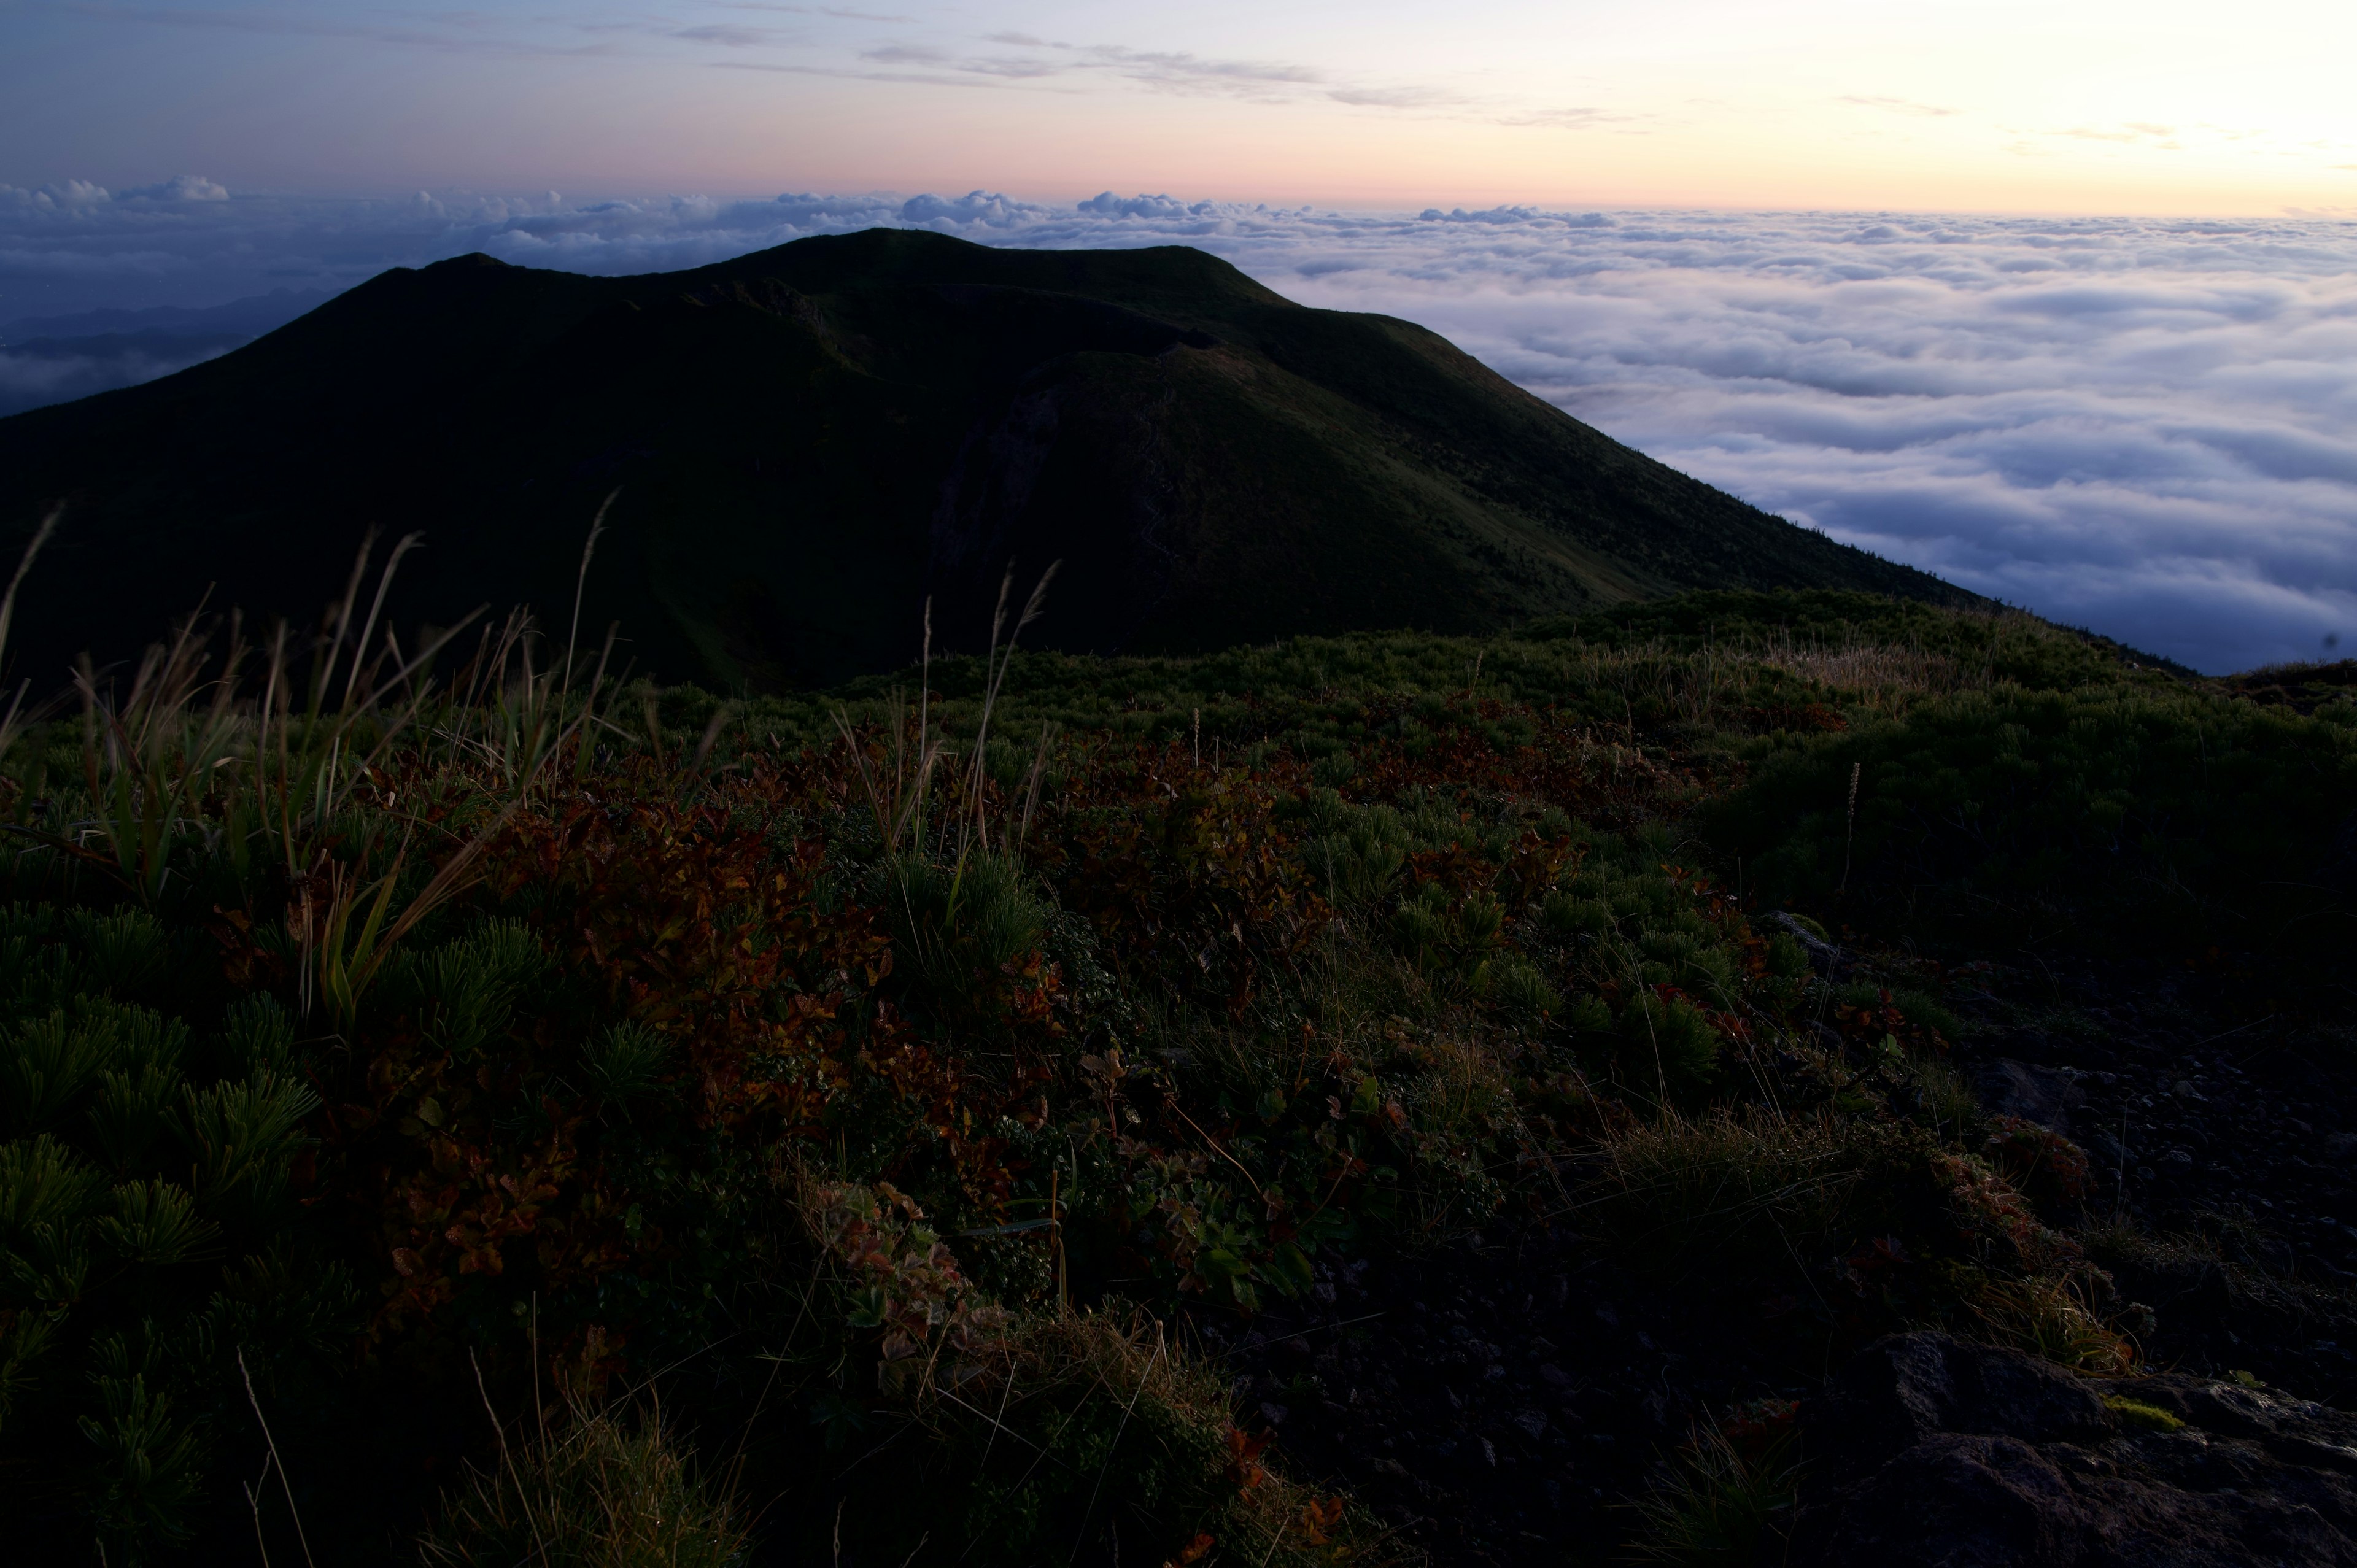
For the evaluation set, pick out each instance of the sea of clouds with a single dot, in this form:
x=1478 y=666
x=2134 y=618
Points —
x=2144 y=426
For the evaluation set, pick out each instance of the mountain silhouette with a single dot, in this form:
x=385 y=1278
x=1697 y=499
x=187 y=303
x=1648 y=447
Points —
x=809 y=441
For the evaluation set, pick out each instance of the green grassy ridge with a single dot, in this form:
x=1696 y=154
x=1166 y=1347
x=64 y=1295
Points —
x=1628 y=650
x=1716 y=668
x=2014 y=776
x=2010 y=644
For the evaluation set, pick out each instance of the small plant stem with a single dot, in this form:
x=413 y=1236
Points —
x=1222 y=1152
x=1849 y=830
x=998 y=1426
x=272 y=1444
x=2120 y=1180
x=523 y=1493
x=998 y=1421
x=253 y=1505
x=1120 y=1427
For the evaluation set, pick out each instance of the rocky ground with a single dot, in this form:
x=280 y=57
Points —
x=2227 y=1143
x=1495 y=1403
x=1502 y=1400
x=1928 y=1450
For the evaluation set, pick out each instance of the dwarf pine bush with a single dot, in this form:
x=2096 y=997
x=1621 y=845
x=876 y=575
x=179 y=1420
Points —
x=148 y=1221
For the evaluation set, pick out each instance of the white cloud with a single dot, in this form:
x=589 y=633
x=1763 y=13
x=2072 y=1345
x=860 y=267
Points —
x=32 y=380
x=179 y=187
x=1895 y=105
x=2142 y=426
x=72 y=194
x=79 y=195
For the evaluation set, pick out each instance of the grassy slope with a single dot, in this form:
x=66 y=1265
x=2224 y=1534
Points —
x=1412 y=932
x=809 y=439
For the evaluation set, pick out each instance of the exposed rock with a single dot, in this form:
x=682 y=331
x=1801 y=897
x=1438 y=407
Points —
x=1907 y=1388
x=1930 y=1450
x=2041 y=1094
x=1823 y=956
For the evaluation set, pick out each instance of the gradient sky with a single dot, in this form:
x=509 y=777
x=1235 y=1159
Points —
x=2080 y=106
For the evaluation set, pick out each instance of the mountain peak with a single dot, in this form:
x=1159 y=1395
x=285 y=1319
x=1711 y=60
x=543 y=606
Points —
x=812 y=440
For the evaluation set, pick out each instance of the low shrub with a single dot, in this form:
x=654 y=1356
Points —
x=2121 y=819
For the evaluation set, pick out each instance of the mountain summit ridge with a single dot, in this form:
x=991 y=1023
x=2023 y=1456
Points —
x=810 y=440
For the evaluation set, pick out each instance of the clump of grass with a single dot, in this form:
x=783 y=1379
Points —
x=1722 y=1500
x=1083 y=1434
x=1755 y=1190
x=970 y=916
x=1872 y=666
x=1178 y=1408
x=2048 y=1319
x=588 y=1489
x=1943 y=1097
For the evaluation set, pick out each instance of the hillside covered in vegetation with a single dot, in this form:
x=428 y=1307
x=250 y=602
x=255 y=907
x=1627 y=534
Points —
x=801 y=445
x=1371 y=1099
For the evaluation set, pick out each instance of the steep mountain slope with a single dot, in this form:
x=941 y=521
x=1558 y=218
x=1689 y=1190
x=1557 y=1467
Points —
x=809 y=440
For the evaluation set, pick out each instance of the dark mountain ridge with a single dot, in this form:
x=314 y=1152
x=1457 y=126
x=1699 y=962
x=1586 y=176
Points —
x=809 y=440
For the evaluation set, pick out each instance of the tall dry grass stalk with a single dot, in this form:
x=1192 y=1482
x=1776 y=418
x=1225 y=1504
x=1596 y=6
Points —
x=998 y=659
x=899 y=783
x=1865 y=667
x=900 y=772
x=12 y=725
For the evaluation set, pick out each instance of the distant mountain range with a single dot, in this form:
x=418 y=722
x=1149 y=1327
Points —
x=52 y=358
x=810 y=440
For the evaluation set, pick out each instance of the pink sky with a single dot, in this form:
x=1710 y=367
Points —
x=2091 y=106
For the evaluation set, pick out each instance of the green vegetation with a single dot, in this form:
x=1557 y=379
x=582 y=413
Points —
x=544 y=1099
x=2136 y=1413
x=2140 y=817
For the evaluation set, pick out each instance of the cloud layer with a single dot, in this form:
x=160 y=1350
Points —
x=2147 y=427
